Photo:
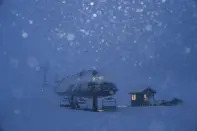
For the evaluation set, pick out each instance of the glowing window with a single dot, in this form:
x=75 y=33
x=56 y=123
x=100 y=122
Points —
x=133 y=97
x=145 y=97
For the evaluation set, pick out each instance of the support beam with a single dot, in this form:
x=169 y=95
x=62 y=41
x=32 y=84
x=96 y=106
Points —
x=95 y=103
x=72 y=103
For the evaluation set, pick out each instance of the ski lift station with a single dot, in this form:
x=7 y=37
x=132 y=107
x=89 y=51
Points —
x=87 y=90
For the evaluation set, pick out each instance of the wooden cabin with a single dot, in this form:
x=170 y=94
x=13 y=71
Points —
x=143 y=98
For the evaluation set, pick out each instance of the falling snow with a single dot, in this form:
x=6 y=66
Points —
x=163 y=1
x=149 y=27
x=187 y=50
x=91 y=3
x=31 y=22
x=24 y=34
x=94 y=15
x=70 y=37
x=136 y=42
x=139 y=10
x=84 y=31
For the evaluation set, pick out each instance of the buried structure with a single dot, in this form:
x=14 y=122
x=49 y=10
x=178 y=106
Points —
x=143 y=98
x=84 y=85
x=146 y=97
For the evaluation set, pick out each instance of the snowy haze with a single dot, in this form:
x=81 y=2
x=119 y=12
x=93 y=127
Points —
x=136 y=43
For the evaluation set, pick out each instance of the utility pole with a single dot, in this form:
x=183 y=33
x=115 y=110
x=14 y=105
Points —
x=45 y=69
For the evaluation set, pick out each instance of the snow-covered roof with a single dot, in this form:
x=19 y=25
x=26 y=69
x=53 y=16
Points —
x=80 y=79
x=147 y=90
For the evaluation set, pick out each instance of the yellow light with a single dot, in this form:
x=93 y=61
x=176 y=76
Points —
x=133 y=97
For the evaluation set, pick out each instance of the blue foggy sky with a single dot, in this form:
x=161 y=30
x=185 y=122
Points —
x=141 y=42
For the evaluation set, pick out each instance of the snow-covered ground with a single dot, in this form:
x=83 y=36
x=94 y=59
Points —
x=43 y=114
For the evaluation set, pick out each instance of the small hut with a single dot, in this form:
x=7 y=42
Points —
x=143 y=98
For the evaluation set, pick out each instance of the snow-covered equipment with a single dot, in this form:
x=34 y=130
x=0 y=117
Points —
x=109 y=104
x=65 y=102
x=87 y=84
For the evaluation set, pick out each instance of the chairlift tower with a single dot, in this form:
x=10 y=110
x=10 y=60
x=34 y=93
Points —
x=87 y=84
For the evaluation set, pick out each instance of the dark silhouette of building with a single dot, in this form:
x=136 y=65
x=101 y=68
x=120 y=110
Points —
x=143 y=98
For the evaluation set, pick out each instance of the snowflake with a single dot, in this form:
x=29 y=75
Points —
x=149 y=27
x=59 y=48
x=139 y=10
x=187 y=50
x=94 y=15
x=163 y=1
x=70 y=37
x=91 y=3
x=63 y=2
x=84 y=31
x=31 y=22
x=61 y=35
x=24 y=34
